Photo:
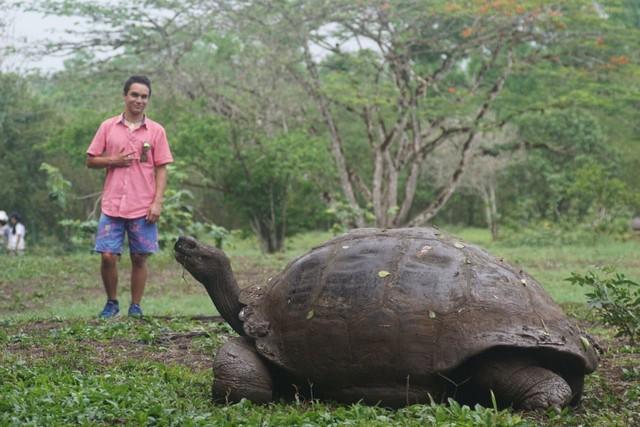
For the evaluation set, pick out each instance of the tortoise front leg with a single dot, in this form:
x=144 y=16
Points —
x=519 y=381
x=239 y=372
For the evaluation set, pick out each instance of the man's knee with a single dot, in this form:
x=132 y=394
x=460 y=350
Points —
x=109 y=259
x=139 y=260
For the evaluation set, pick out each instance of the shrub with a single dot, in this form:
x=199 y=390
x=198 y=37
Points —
x=616 y=300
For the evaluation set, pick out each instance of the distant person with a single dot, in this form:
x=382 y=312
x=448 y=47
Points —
x=135 y=152
x=4 y=230
x=15 y=242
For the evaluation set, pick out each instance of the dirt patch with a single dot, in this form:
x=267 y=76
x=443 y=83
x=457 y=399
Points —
x=174 y=352
x=190 y=349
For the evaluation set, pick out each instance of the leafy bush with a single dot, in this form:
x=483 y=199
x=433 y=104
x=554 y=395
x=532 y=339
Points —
x=616 y=300
x=77 y=233
x=177 y=219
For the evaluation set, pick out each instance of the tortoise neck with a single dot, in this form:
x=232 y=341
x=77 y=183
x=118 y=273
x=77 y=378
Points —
x=224 y=292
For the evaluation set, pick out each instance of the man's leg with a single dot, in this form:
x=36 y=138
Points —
x=109 y=272
x=138 y=277
x=143 y=241
x=109 y=240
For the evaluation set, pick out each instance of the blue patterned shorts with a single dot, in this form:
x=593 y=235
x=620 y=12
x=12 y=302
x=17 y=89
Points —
x=143 y=236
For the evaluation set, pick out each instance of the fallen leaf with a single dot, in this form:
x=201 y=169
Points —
x=432 y=314
x=383 y=273
x=310 y=314
x=424 y=250
x=585 y=343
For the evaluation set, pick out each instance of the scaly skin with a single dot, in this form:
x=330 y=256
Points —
x=516 y=380
x=211 y=267
x=239 y=372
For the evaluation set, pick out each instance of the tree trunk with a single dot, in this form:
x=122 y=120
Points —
x=494 y=210
x=488 y=194
x=269 y=228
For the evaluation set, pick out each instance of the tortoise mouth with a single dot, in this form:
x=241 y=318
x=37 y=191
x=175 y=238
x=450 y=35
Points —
x=195 y=256
x=184 y=249
x=180 y=257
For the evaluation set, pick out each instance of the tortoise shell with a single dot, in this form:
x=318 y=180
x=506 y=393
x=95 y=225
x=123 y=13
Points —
x=402 y=302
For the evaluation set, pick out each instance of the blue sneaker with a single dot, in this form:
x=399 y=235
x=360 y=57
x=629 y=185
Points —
x=111 y=309
x=135 y=310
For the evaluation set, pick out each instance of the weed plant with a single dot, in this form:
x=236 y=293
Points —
x=615 y=299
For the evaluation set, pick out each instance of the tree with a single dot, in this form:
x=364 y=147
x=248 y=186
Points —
x=423 y=75
x=568 y=172
x=24 y=125
x=262 y=180
x=386 y=83
x=490 y=160
x=219 y=79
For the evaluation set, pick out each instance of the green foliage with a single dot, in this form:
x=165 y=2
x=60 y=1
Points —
x=230 y=98
x=343 y=216
x=58 y=186
x=270 y=184
x=78 y=234
x=177 y=219
x=74 y=387
x=25 y=121
x=601 y=199
x=615 y=298
x=568 y=186
x=146 y=393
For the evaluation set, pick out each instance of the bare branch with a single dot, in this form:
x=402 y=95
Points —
x=444 y=195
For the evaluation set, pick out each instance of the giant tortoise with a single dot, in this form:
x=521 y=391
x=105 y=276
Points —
x=393 y=317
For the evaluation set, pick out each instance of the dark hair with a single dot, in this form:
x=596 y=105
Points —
x=137 y=79
x=15 y=215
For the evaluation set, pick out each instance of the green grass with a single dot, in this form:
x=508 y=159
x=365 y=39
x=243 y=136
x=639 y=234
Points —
x=131 y=372
x=60 y=366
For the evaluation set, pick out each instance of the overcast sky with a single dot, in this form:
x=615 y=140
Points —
x=27 y=28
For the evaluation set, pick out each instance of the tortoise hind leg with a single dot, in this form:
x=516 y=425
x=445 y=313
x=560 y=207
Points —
x=519 y=381
x=239 y=372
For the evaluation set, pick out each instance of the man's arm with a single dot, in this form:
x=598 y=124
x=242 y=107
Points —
x=161 y=184
x=121 y=160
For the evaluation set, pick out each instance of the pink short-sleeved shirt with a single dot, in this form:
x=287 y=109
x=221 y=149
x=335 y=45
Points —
x=129 y=191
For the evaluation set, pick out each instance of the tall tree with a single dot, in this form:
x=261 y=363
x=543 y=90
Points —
x=24 y=124
x=389 y=82
x=415 y=75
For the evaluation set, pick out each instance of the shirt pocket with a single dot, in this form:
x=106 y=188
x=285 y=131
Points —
x=145 y=151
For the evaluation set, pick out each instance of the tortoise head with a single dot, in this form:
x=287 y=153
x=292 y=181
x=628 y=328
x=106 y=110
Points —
x=204 y=262
x=211 y=267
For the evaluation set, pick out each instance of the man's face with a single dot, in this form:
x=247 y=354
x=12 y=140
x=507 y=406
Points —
x=137 y=98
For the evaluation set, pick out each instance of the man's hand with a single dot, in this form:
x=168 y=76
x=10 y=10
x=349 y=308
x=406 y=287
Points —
x=154 y=212
x=122 y=160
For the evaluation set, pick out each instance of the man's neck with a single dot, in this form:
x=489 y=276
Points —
x=133 y=118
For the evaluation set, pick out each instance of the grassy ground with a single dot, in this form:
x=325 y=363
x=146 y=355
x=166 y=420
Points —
x=60 y=366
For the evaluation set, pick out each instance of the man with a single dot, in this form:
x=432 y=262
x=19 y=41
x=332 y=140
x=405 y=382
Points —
x=135 y=152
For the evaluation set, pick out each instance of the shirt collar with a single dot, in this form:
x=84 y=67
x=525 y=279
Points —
x=144 y=120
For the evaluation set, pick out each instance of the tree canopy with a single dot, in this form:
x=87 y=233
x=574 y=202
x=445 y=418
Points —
x=377 y=111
